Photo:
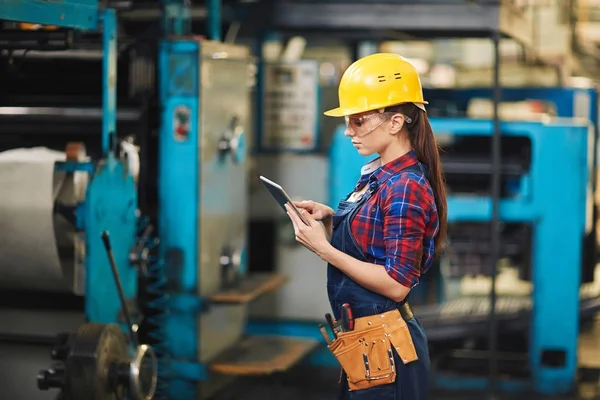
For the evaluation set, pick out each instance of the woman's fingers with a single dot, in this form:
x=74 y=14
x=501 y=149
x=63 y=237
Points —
x=294 y=217
x=308 y=204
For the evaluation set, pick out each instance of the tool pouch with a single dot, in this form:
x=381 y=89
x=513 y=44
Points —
x=366 y=356
x=396 y=329
x=401 y=339
x=366 y=353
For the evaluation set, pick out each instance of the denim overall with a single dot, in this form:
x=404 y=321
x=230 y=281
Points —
x=412 y=379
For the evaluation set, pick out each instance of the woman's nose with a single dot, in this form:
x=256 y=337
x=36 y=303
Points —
x=348 y=132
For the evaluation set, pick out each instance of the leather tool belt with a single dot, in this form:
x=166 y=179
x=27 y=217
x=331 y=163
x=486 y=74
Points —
x=366 y=352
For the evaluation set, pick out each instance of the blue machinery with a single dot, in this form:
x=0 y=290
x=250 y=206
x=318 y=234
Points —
x=110 y=206
x=201 y=309
x=203 y=179
x=196 y=296
x=111 y=200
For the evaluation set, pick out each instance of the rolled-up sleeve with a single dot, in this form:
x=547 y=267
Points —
x=404 y=223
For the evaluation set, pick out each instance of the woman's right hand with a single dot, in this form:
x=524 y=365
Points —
x=318 y=211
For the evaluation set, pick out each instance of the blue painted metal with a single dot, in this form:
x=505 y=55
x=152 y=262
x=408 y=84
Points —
x=568 y=101
x=80 y=14
x=109 y=76
x=559 y=171
x=457 y=382
x=214 y=20
x=178 y=173
x=111 y=197
x=110 y=205
x=241 y=150
x=73 y=166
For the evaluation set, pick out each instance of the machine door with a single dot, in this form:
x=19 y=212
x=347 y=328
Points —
x=223 y=125
x=222 y=220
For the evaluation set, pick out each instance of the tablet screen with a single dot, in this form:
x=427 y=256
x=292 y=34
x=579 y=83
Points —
x=281 y=196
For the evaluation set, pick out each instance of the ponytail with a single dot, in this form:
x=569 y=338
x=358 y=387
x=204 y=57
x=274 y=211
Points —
x=425 y=145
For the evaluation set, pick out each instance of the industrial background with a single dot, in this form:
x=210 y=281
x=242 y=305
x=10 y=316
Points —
x=141 y=257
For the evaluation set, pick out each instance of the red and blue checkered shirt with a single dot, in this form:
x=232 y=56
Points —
x=397 y=225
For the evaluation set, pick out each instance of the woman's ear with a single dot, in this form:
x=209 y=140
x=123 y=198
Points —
x=397 y=123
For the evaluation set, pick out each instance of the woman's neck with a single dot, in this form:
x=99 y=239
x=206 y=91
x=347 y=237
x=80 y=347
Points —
x=394 y=150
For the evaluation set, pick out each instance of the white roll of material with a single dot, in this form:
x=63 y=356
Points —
x=31 y=232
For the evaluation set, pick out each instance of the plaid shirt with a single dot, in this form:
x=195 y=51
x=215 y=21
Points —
x=397 y=225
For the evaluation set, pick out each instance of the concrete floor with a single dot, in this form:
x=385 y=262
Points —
x=322 y=385
x=292 y=385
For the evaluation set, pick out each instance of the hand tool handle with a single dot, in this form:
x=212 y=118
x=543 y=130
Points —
x=331 y=324
x=325 y=334
x=347 y=319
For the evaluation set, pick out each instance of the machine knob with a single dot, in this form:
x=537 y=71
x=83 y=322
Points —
x=143 y=372
x=234 y=263
x=60 y=353
x=234 y=141
x=51 y=378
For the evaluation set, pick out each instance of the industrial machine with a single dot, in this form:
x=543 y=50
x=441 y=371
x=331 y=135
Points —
x=205 y=93
x=71 y=266
x=186 y=298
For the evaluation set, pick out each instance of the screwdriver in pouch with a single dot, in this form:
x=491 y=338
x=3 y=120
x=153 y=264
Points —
x=331 y=324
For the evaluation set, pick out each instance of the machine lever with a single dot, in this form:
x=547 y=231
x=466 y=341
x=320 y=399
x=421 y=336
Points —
x=138 y=256
x=113 y=266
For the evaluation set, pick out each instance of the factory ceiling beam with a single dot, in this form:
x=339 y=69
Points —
x=425 y=19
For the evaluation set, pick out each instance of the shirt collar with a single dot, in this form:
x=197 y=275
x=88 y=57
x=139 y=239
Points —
x=374 y=171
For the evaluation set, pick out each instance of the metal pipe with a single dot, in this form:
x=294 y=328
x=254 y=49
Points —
x=109 y=79
x=71 y=113
x=214 y=20
x=495 y=225
x=28 y=40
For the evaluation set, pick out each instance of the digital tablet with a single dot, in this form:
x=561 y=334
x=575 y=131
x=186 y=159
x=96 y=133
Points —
x=281 y=196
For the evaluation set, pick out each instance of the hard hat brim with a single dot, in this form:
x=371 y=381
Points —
x=340 y=112
x=336 y=112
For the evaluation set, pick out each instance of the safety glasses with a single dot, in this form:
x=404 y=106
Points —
x=361 y=126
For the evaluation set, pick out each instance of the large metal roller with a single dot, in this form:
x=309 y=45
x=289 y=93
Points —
x=41 y=249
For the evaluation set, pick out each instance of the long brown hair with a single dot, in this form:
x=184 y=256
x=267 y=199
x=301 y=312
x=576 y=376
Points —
x=423 y=142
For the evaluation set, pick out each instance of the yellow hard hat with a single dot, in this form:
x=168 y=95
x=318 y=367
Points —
x=378 y=81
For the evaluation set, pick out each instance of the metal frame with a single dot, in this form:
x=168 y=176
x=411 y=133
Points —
x=425 y=18
x=111 y=197
x=68 y=14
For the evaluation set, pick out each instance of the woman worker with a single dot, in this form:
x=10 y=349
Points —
x=385 y=234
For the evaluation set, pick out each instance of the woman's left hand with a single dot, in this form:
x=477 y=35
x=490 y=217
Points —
x=312 y=236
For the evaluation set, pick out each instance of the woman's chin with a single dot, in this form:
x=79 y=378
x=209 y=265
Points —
x=363 y=152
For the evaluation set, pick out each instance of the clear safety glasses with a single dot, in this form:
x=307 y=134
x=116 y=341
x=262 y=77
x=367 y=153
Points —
x=362 y=125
